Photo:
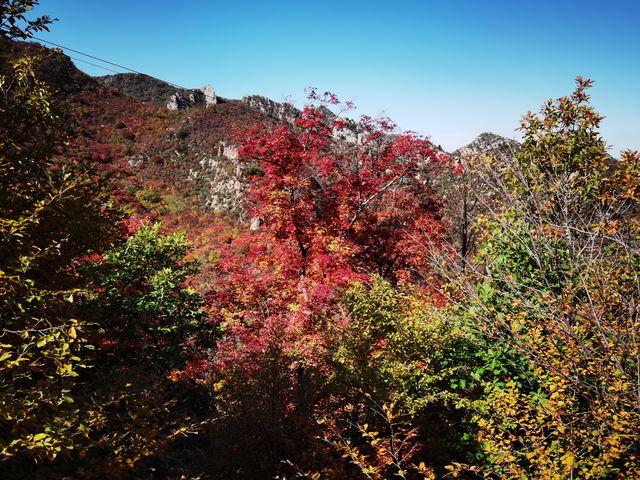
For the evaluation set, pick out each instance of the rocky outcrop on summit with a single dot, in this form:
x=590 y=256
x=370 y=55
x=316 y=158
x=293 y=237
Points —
x=282 y=111
x=286 y=112
x=148 y=89
x=185 y=99
x=489 y=144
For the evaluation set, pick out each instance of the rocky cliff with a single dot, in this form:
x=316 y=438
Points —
x=282 y=111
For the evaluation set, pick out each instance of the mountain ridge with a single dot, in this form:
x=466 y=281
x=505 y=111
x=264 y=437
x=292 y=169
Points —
x=187 y=156
x=150 y=89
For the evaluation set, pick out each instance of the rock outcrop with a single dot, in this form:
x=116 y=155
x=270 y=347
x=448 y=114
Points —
x=282 y=111
x=148 y=89
x=222 y=182
x=350 y=133
x=185 y=99
x=227 y=150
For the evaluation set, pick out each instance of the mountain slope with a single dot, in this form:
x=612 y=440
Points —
x=163 y=152
x=123 y=132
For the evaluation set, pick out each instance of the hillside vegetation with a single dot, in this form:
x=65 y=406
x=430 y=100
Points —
x=245 y=290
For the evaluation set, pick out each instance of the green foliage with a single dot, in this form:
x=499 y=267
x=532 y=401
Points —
x=556 y=305
x=558 y=176
x=141 y=292
x=402 y=353
x=144 y=317
x=253 y=170
x=148 y=197
x=50 y=217
x=174 y=203
x=399 y=348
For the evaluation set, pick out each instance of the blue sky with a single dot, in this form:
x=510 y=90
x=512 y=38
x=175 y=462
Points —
x=450 y=69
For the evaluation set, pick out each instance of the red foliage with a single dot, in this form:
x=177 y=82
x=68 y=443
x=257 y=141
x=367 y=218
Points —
x=344 y=208
x=330 y=211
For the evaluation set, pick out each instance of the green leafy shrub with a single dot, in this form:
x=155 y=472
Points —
x=404 y=365
x=556 y=298
x=51 y=215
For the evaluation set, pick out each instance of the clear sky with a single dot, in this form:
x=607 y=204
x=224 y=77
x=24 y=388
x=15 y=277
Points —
x=450 y=69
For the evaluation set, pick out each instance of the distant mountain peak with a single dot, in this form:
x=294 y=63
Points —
x=489 y=143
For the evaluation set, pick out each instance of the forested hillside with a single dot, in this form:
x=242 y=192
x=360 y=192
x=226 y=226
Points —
x=241 y=289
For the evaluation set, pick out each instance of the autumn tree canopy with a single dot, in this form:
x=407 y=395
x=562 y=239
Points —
x=346 y=322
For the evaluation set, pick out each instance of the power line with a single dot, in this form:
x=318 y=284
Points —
x=115 y=65
x=93 y=64
x=92 y=56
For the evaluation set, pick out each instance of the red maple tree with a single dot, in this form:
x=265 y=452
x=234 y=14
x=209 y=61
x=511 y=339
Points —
x=336 y=202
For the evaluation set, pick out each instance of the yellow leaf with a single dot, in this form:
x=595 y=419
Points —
x=568 y=459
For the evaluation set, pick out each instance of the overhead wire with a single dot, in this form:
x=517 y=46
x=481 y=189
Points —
x=93 y=64
x=90 y=56
x=108 y=62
